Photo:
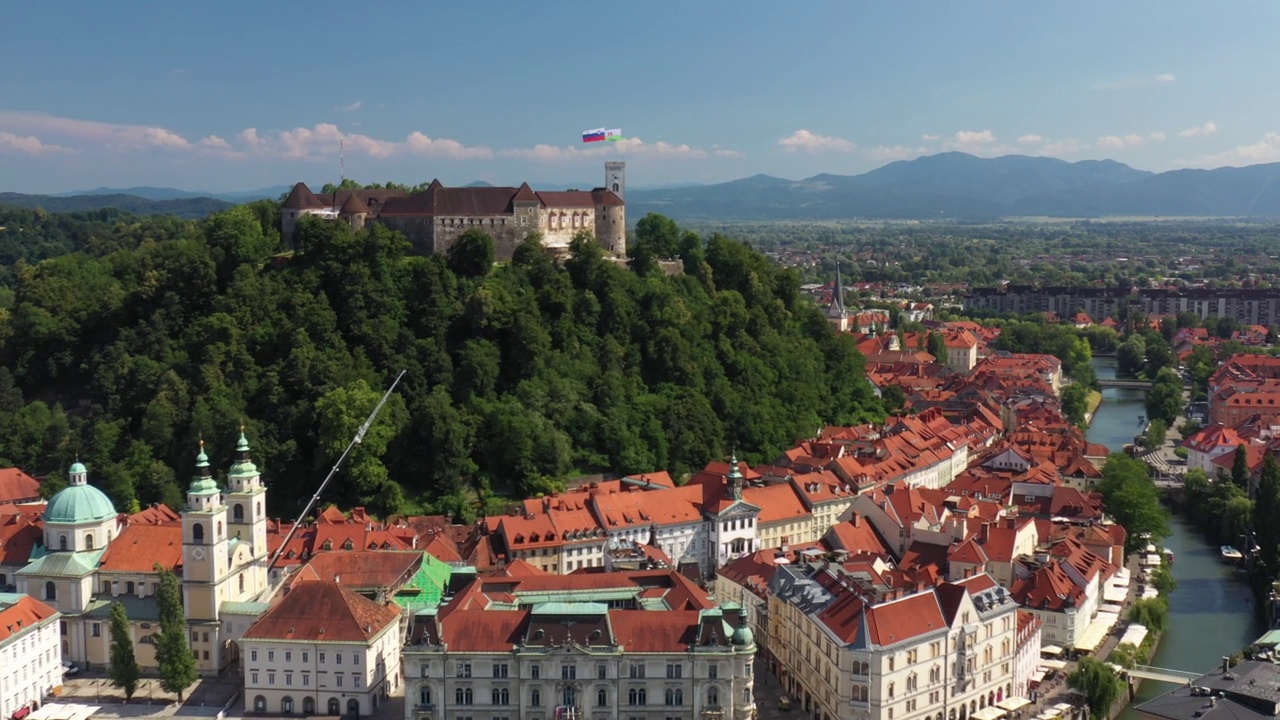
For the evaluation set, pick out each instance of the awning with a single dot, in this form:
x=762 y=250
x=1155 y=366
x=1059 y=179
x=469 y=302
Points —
x=1151 y=560
x=1039 y=674
x=1133 y=635
x=1115 y=592
x=1051 y=650
x=1013 y=704
x=1149 y=592
x=23 y=711
x=1097 y=631
x=991 y=712
x=1054 y=664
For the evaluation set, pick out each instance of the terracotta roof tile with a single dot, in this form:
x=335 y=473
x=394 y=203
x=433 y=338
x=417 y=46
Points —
x=323 y=611
x=25 y=613
x=139 y=548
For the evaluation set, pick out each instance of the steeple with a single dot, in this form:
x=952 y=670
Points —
x=837 y=309
x=78 y=474
x=734 y=477
x=203 y=493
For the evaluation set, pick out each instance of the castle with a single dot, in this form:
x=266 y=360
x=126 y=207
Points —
x=92 y=557
x=434 y=218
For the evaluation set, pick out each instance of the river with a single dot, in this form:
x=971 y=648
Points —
x=1211 y=611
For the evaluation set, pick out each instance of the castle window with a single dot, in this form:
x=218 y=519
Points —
x=128 y=588
x=219 y=535
x=50 y=591
x=197 y=533
x=62 y=542
x=237 y=513
x=88 y=541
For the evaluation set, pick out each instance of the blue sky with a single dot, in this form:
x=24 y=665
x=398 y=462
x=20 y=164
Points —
x=237 y=95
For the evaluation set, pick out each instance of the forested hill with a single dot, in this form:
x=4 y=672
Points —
x=153 y=333
x=190 y=208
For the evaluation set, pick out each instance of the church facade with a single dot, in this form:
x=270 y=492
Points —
x=435 y=217
x=92 y=557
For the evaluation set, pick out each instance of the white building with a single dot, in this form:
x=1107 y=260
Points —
x=940 y=653
x=643 y=644
x=321 y=650
x=30 y=659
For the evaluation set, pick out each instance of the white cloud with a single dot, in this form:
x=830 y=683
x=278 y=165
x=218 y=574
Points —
x=27 y=144
x=1132 y=82
x=1265 y=150
x=896 y=152
x=1157 y=136
x=349 y=108
x=977 y=142
x=1208 y=128
x=726 y=152
x=930 y=138
x=1030 y=139
x=626 y=147
x=1065 y=146
x=1115 y=142
x=812 y=143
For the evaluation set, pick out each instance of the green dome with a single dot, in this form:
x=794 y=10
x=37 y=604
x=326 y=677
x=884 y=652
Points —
x=78 y=469
x=79 y=504
x=742 y=635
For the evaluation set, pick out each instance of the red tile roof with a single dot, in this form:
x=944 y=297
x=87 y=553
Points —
x=777 y=503
x=25 y=613
x=323 y=611
x=361 y=569
x=139 y=548
x=17 y=486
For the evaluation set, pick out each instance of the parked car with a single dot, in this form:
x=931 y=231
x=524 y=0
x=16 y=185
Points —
x=70 y=668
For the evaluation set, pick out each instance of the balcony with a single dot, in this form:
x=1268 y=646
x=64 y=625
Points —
x=424 y=707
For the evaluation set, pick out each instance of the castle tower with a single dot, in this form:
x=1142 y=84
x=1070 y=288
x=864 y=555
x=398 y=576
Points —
x=247 y=503
x=838 y=314
x=615 y=178
x=734 y=479
x=354 y=212
x=611 y=209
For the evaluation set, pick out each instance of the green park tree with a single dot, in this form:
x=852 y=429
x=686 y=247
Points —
x=1132 y=500
x=1267 y=525
x=1157 y=432
x=937 y=347
x=123 y=668
x=176 y=662
x=1099 y=684
x=1240 y=467
x=471 y=255
x=1165 y=400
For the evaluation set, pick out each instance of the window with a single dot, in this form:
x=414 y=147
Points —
x=50 y=591
x=96 y=629
x=306 y=656
x=602 y=697
x=271 y=678
x=260 y=704
x=88 y=541
x=636 y=696
x=288 y=656
x=675 y=670
x=337 y=680
x=535 y=697
x=359 y=681
x=306 y=679
x=288 y=678
x=253 y=678
x=713 y=697
x=253 y=656
x=271 y=656
x=321 y=656
x=197 y=533
x=568 y=672
x=286 y=705
x=464 y=670
x=675 y=697
x=535 y=671
x=337 y=658
x=636 y=671
x=62 y=542
x=237 y=513
x=355 y=658
x=500 y=696
x=602 y=671
x=462 y=696
x=195 y=636
x=500 y=670
x=713 y=671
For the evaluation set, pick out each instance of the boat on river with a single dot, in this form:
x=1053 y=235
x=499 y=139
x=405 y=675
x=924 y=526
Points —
x=1231 y=556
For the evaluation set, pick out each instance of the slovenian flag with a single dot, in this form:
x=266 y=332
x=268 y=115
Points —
x=612 y=135
x=597 y=135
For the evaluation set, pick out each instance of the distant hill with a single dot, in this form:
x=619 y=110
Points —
x=961 y=186
x=195 y=207
x=168 y=193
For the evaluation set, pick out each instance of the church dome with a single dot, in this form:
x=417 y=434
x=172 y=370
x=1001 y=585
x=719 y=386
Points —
x=79 y=504
x=742 y=635
x=78 y=468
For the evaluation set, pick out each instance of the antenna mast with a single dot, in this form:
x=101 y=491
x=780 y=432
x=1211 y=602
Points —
x=342 y=165
x=359 y=438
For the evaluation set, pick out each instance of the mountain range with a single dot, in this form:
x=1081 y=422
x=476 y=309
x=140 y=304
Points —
x=951 y=185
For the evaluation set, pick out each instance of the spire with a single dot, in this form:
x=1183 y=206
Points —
x=78 y=474
x=242 y=445
x=734 y=477
x=837 y=309
x=203 y=482
x=202 y=461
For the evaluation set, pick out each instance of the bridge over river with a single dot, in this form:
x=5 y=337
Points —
x=1146 y=672
x=1124 y=383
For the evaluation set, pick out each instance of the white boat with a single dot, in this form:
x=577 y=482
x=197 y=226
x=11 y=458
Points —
x=1231 y=555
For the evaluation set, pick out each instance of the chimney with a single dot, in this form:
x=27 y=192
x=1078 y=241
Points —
x=986 y=532
x=855 y=520
x=1226 y=664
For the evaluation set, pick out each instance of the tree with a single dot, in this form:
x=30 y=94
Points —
x=937 y=347
x=1240 y=467
x=1267 y=525
x=1132 y=500
x=471 y=255
x=1099 y=684
x=1075 y=403
x=1157 y=431
x=1131 y=355
x=175 y=661
x=124 y=670
x=894 y=398
x=658 y=235
x=1165 y=399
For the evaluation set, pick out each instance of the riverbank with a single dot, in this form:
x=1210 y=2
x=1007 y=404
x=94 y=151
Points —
x=1091 y=403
